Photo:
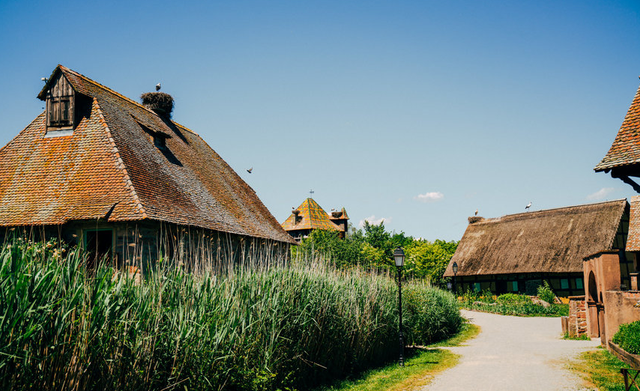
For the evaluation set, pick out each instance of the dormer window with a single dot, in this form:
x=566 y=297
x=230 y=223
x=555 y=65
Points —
x=60 y=104
x=159 y=140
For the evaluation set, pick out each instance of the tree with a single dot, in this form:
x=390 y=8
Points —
x=429 y=260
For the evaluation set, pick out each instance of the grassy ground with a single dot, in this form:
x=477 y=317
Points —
x=421 y=365
x=600 y=369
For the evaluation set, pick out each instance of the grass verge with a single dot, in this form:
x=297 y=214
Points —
x=600 y=369
x=421 y=366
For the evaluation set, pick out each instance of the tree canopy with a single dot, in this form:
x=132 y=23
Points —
x=372 y=248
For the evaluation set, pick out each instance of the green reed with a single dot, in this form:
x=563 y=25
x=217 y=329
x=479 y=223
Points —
x=63 y=327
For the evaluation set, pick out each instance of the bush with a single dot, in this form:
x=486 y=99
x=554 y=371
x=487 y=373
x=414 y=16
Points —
x=431 y=314
x=513 y=299
x=545 y=293
x=510 y=304
x=628 y=337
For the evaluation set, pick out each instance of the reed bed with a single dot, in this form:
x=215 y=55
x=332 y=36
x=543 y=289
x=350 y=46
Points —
x=63 y=327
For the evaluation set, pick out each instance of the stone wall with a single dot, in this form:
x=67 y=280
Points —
x=577 y=320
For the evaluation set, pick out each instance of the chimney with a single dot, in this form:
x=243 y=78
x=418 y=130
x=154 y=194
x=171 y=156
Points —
x=159 y=102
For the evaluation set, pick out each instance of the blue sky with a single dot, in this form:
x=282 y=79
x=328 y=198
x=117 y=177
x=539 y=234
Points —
x=416 y=112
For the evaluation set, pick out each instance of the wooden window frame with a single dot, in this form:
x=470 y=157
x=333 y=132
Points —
x=59 y=114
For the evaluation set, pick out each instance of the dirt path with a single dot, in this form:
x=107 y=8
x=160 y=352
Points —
x=513 y=353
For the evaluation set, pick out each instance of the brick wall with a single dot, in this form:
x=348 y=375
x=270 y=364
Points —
x=577 y=320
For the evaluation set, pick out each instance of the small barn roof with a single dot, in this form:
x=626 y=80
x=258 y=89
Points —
x=310 y=215
x=109 y=168
x=546 y=241
x=625 y=150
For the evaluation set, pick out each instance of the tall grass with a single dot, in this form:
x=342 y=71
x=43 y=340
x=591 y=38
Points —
x=63 y=327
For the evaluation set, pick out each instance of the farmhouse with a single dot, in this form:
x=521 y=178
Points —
x=310 y=215
x=516 y=253
x=123 y=180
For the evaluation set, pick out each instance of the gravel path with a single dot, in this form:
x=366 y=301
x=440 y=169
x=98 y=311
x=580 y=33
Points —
x=513 y=353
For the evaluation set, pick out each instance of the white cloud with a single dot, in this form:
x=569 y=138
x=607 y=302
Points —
x=429 y=197
x=601 y=194
x=373 y=220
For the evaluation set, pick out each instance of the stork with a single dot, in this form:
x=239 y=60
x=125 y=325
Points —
x=528 y=206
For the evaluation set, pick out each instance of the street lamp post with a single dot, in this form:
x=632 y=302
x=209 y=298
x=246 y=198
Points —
x=398 y=256
x=455 y=271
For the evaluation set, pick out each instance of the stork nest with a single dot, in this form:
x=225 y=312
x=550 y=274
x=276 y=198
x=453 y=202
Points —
x=475 y=219
x=159 y=102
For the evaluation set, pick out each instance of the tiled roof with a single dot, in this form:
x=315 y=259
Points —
x=633 y=237
x=109 y=168
x=625 y=149
x=310 y=216
x=546 y=241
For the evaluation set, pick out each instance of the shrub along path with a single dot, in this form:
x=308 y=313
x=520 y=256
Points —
x=513 y=353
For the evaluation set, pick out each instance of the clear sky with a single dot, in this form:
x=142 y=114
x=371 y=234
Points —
x=416 y=112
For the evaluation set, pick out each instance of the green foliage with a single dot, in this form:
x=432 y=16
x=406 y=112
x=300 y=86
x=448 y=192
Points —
x=513 y=299
x=510 y=304
x=429 y=260
x=431 y=314
x=628 y=337
x=63 y=327
x=545 y=293
x=372 y=248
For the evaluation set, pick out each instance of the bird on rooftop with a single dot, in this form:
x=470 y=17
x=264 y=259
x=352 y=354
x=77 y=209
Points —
x=249 y=170
x=528 y=206
x=476 y=212
x=158 y=86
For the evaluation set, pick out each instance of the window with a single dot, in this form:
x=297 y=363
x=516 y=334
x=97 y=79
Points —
x=60 y=111
x=564 y=283
x=160 y=142
x=514 y=286
x=477 y=287
x=98 y=243
x=579 y=283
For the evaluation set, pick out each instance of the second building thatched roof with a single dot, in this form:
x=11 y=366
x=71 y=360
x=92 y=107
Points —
x=547 y=241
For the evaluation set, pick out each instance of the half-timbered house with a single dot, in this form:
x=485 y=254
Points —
x=517 y=253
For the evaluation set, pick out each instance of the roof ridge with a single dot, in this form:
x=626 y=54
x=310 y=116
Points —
x=116 y=93
x=120 y=162
x=535 y=213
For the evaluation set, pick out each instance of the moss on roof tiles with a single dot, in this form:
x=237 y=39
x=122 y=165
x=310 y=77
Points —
x=310 y=216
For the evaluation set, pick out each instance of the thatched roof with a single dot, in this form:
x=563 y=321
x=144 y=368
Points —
x=547 y=241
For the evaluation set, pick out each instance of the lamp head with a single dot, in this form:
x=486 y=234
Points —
x=398 y=256
x=455 y=268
